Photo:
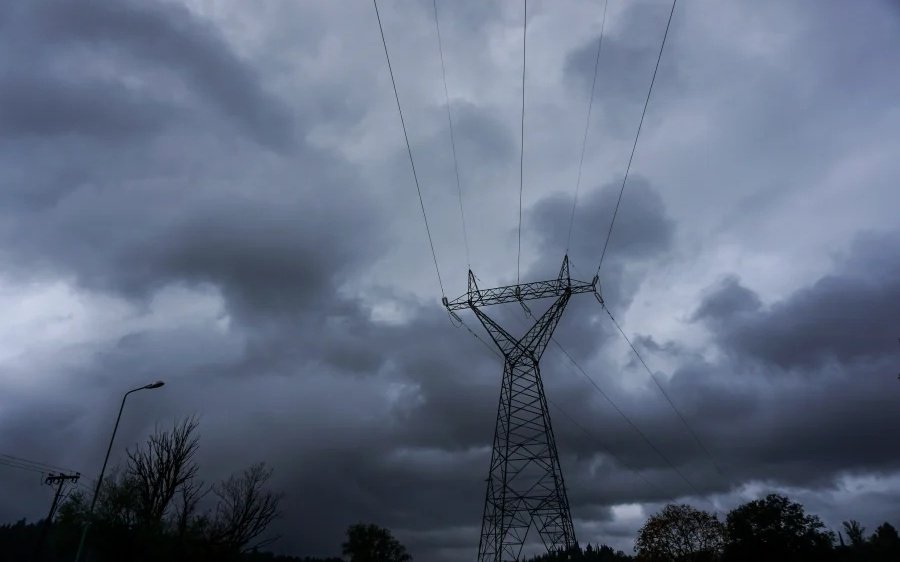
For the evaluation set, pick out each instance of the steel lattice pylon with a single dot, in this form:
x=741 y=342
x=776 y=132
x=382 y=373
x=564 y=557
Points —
x=525 y=486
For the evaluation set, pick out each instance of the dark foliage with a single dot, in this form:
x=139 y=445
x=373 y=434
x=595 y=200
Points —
x=371 y=543
x=771 y=529
x=17 y=542
x=149 y=511
x=681 y=533
x=882 y=546
x=599 y=553
x=775 y=528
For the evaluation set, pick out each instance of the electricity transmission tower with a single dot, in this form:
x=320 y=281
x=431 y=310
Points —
x=525 y=486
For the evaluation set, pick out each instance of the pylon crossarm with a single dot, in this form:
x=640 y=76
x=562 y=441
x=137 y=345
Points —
x=519 y=293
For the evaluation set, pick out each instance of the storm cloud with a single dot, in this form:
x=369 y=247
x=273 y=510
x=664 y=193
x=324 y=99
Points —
x=221 y=197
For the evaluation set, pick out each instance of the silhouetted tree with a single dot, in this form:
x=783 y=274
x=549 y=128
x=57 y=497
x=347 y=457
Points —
x=885 y=543
x=149 y=510
x=600 y=553
x=17 y=540
x=680 y=533
x=775 y=528
x=855 y=533
x=245 y=507
x=157 y=470
x=189 y=495
x=371 y=543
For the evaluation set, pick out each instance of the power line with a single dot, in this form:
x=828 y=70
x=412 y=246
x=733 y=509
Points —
x=609 y=235
x=47 y=467
x=608 y=451
x=572 y=360
x=12 y=464
x=622 y=414
x=587 y=127
x=561 y=410
x=666 y=395
x=462 y=215
x=37 y=467
x=631 y=424
x=637 y=136
x=522 y=144
x=618 y=410
x=409 y=149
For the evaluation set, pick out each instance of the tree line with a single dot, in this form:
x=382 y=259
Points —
x=150 y=509
x=155 y=508
x=773 y=528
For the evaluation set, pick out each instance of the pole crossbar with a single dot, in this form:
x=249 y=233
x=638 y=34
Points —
x=60 y=480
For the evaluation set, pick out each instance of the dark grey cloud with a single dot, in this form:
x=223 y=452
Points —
x=485 y=149
x=170 y=37
x=471 y=15
x=266 y=257
x=157 y=51
x=481 y=136
x=643 y=233
x=805 y=386
x=48 y=106
x=245 y=244
x=728 y=299
x=627 y=59
x=847 y=316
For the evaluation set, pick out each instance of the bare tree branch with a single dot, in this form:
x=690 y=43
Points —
x=245 y=508
x=161 y=467
x=189 y=495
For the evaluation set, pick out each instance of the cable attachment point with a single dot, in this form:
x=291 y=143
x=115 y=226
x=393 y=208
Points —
x=522 y=301
x=595 y=285
x=455 y=319
x=526 y=309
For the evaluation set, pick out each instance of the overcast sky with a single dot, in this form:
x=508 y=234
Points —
x=218 y=194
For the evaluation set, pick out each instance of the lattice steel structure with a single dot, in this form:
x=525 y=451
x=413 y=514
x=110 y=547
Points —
x=525 y=486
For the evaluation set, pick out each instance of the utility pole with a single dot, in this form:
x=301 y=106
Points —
x=525 y=486
x=59 y=479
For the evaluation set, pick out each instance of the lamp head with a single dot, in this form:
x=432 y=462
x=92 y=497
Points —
x=156 y=384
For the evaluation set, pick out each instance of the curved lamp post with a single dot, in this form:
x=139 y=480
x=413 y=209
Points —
x=87 y=524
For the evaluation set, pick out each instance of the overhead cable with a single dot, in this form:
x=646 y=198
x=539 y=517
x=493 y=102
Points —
x=630 y=423
x=462 y=215
x=41 y=465
x=636 y=137
x=522 y=143
x=587 y=126
x=622 y=414
x=22 y=466
x=666 y=396
x=409 y=149
x=563 y=411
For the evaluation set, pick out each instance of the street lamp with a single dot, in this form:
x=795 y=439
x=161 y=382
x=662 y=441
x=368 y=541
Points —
x=87 y=524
